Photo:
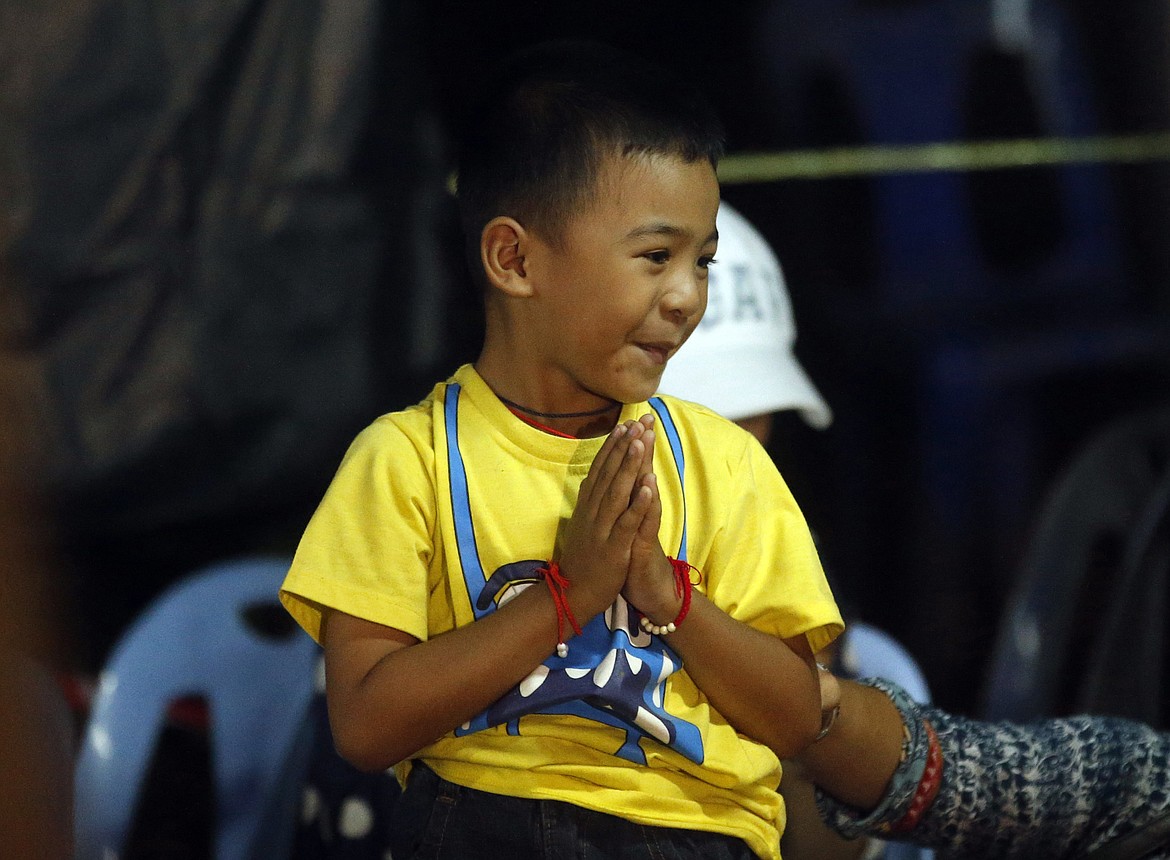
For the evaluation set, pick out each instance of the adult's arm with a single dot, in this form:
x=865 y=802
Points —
x=1057 y=788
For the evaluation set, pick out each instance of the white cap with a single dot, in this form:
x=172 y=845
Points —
x=739 y=361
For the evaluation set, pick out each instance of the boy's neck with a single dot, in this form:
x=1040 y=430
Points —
x=598 y=422
x=594 y=419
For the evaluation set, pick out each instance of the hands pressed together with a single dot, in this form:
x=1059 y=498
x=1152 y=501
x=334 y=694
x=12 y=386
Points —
x=610 y=544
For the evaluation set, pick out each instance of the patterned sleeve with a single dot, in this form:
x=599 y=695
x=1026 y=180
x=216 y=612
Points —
x=1056 y=788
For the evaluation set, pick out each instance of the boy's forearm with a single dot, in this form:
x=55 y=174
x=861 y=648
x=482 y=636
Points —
x=756 y=681
x=383 y=709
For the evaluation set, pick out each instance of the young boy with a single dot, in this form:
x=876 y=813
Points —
x=580 y=623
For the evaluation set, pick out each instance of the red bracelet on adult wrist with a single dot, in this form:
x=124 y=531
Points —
x=928 y=786
x=682 y=588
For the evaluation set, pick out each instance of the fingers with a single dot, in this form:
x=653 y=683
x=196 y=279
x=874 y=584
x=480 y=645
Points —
x=615 y=437
x=616 y=477
x=608 y=461
x=642 y=429
x=632 y=521
x=649 y=435
x=648 y=438
x=616 y=494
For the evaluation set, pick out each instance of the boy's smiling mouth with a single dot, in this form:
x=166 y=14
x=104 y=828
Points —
x=658 y=352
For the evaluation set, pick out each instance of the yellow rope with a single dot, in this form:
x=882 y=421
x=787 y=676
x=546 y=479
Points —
x=750 y=167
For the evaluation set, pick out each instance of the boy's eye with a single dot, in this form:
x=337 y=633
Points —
x=707 y=262
x=660 y=258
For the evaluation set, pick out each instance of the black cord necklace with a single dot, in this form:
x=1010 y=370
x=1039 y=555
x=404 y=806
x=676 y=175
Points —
x=533 y=412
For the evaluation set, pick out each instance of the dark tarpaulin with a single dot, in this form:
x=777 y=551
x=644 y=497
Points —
x=208 y=216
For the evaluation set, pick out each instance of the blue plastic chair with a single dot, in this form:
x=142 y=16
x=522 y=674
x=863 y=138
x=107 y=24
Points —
x=868 y=652
x=196 y=639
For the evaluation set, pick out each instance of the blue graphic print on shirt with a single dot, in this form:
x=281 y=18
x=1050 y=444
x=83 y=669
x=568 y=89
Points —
x=614 y=673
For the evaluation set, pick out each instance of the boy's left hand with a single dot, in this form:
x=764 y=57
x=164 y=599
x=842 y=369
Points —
x=650 y=585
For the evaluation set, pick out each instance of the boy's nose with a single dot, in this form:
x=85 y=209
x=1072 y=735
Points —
x=687 y=297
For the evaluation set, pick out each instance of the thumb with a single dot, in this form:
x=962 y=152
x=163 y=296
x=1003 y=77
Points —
x=648 y=529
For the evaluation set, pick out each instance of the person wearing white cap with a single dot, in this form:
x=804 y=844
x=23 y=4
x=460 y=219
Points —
x=893 y=766
x=740 y=361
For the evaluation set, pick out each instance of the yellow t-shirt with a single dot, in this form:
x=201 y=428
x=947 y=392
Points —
x=441 y=512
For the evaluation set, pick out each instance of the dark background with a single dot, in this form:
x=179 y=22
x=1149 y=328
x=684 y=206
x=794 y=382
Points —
x=227 y=231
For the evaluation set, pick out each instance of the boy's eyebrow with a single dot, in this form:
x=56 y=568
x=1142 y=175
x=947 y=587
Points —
x=665 y=228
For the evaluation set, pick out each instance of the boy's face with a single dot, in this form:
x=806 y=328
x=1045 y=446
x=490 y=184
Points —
x=628 y=282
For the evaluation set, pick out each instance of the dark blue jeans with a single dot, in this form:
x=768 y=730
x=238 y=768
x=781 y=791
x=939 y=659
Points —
x=438 y=820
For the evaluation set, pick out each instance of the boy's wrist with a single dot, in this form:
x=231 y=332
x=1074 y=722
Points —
x=586 y=601
x=660 y=601
x=664 y=612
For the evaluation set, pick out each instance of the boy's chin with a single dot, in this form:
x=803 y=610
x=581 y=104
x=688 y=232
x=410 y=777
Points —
x=630 y=385
x=640 y=391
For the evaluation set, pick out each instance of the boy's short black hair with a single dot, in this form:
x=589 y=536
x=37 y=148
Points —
x=535 y=138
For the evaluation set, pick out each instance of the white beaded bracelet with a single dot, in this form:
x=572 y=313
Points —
x=683 y=587
x=650 y=627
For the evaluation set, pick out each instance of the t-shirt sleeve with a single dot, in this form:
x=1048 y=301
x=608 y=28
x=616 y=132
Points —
x=765 y=570
x=368 y=546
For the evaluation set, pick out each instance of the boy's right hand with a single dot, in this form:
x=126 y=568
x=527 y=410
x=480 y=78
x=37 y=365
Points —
x=597 y=541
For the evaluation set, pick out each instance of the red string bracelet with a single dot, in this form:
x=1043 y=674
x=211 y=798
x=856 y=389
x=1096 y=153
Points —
x=682 y=588
x=557 y=585
x=928 y=786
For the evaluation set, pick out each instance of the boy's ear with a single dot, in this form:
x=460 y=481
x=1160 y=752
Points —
x=502 y=247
